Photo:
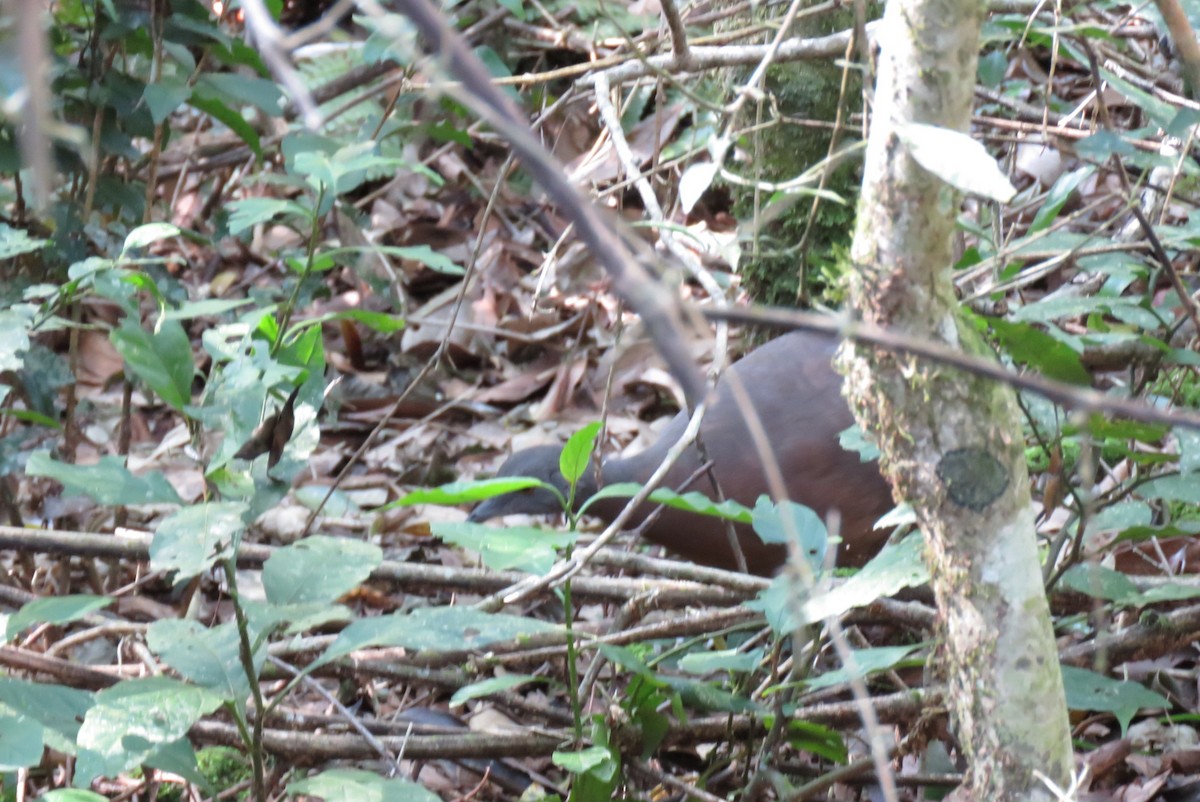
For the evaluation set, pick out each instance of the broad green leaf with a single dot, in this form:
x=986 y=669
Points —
x=72 y=795
x=21 y=743
x=192 y=540
x=296 y=618
x=209 y=657
x=525 y=548
x=1172 y=488
x=249 y=212
x=464 y=492
x=958 y=160
x=721 y=660
x=583 y=760
x=1104 y=583
x=165 y=97
x=435 y=629
x=58 y=709
x=487 y=687
x=807 y=736
x=148 y=234
x=14 y=338
x=1058 y=196
x=577 y=453
x=230 y=117
x=356 y=785
x=897 y=567
x=318 y=569
x=53 y=610
x=789 y=522
x=131 y=720
x=866 y=662
x=237 y=89
x=107 y=482
x=14 y=242
x=1032 y=346
x=693 y=501
x=163 y=359
x=1089 y=691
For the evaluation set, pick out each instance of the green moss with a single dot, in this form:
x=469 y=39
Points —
x=800 y=242
x=223 y=767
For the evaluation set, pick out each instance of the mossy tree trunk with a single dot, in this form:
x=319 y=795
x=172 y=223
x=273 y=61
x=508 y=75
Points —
x=952 y=442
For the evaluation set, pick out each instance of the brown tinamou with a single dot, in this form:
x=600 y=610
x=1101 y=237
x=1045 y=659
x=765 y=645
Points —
x=797 y=395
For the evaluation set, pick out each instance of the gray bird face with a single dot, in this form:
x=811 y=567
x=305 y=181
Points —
x=539 y=462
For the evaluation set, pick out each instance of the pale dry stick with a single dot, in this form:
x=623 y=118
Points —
x=679 y=43
x=353 y=720
x=702 y=59
x=271 y=47
x=408 y=575
x=989 y=265
x=612 y=122
x=1069 y=395
x=117 y=628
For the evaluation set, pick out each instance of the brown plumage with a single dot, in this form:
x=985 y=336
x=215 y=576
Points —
x=797 y=395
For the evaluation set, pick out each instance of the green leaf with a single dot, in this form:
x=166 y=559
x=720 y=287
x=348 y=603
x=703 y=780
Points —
x=1089 y=691
x=583 y=760
x=232 y=120
x=192 y=540
x=1098 y=582
x=866 y=662
x=1172 y=488
x=72 y=795
x=464 y=492
x=148 y=234
x=165 y=97
x=163 y=360
x=1032 y=346
x=53 y=610
x=1058 y=196
x=692 y=501
x=573 y=461
x=209 y=657
x=434 y=629
x=58 y=709
x=957 y=159
x=789 y=522
x=487 y=687
x=318 y=569
x=356 y=785
x=21 y=743
x=524 y=548
x=239 y=89
x=721 y=660
x=14 y=242
x=250 y=212
x=14 y=338
x=131 y=720
x=376 y=321
x=896 y=567
x=1104 y=583
x=107 y=482
x=806 y=736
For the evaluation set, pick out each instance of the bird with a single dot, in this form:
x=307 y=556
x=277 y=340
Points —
x=791 y=383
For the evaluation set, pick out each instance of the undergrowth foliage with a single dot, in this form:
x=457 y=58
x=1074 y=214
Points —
x=178 y=323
